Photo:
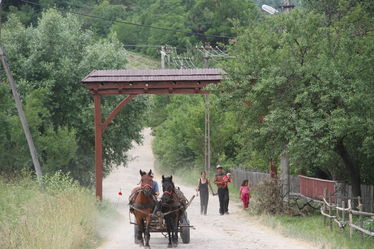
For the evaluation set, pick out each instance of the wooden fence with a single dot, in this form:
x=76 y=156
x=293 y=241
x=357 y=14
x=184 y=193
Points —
x=311 y=187
x=314 y=187
x=239 y=175
x=336 y=198
x=344 y=191
x=342 y=216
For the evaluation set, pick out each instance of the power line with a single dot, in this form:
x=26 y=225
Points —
x=131 y=23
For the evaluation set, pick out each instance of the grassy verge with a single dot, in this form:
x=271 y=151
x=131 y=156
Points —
x=62 y=216
x=311 y=228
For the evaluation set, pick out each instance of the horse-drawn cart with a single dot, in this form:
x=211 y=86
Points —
x=158 y=225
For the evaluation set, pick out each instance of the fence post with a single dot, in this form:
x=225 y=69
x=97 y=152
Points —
x=343 y=214
x=337 y=210
x=330 y=210
x=371 y=198
x=350 y=217
x=360 y=217
x=324 y=206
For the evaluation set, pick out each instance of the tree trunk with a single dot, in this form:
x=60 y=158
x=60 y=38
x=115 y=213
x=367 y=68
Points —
x=352 y=168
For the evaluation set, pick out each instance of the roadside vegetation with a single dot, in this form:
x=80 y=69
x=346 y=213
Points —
x=61 y=215
x=311 y=228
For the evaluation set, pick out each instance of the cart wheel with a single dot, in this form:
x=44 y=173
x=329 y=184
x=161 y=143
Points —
x=136 y=229
x=185 y=231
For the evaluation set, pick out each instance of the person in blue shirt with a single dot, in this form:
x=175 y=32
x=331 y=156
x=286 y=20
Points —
x=155 y=186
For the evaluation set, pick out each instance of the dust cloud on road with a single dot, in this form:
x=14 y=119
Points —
x=234 y=231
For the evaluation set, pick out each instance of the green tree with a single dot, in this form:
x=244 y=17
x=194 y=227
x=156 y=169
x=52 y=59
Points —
x=214 y=17
x=179 y=132
x=48 y=62
x=106 y=11
x=310 y=81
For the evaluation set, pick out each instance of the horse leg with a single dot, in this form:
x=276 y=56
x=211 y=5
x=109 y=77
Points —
x=175 y=231
x=177 y=227
x=170 y=230
x=147 y=234
x=140 y=223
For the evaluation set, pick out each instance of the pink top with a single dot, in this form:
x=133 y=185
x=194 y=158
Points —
x=226 y=178
x=244 y=189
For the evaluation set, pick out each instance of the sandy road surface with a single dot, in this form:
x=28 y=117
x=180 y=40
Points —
x=234 y=231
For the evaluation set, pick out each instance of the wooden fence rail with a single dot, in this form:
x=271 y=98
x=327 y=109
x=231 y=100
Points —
x=337 y=214
x=256 y=177
x=311 y=187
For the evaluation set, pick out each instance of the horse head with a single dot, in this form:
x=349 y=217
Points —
x=168 y=188
x=147 y=183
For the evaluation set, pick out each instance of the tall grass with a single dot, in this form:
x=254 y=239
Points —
x=63 y=215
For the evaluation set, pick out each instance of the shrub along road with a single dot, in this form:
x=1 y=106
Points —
x=234 y=231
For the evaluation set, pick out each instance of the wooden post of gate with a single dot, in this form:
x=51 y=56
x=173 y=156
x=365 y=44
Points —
x=350 y=217
x=98 y=147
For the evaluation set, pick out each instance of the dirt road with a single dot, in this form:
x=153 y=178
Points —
x=234 y=231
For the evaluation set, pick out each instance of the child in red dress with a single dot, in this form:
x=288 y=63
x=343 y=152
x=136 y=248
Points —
x=244 y=193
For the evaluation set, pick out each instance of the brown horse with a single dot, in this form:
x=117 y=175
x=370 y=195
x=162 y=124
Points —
x=142 y=207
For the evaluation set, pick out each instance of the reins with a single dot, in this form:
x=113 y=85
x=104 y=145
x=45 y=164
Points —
x=181 y=207
x=140 y=207
x=168 y=192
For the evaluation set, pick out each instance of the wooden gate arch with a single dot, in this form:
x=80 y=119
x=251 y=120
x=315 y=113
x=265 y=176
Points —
x=133 y=82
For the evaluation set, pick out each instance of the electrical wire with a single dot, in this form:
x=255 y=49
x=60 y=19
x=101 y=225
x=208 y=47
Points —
x=131 y=23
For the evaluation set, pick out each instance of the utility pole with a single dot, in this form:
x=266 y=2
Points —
x=207 y=118
x=284 y=162
x=287 y=6
x=163 y=54
x=22 y=116
x=206 y=55
x=207 y=135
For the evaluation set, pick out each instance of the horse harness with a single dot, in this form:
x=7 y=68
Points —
x=139 y=207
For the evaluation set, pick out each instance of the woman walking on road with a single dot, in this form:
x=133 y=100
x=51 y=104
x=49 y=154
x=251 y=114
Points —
x=202 y=187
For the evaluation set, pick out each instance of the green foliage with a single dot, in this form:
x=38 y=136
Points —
x=204 y=16
x=179 y=132
x=212 y=17
x=207 y=17
x=48 y=61
x=109 y=12
x=310 y=80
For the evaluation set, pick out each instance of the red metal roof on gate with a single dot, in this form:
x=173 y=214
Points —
x=162 y=81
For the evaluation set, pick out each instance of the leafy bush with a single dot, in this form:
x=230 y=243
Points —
x=267 y=197
x=368 y=224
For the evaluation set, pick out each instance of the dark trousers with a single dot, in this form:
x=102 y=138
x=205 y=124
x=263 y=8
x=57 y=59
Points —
x=204 y=198
x=223 y=196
